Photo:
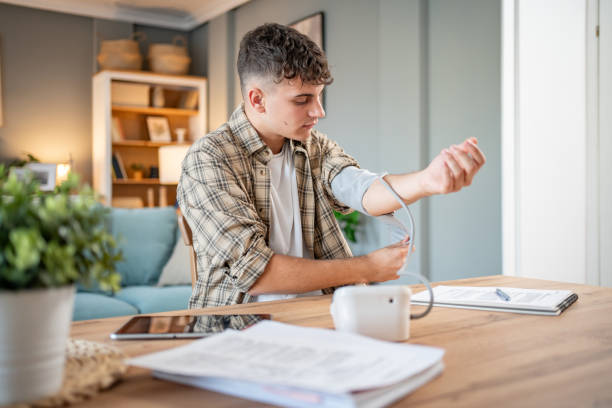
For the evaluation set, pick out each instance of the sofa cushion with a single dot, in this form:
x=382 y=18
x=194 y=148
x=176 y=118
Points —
x=146 y=236
x=151 y=299
x=177 y=270
x=96 y=306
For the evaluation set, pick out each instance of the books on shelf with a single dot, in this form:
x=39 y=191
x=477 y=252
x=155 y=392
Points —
x=117 y=130
x=117 y=174
x=287 y=365
x=118 y=168
x=500 y=299
x=189 y=100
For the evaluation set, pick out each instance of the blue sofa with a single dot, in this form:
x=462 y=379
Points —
x=147 y=237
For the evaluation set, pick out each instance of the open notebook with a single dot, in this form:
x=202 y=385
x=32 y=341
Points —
x=529 y=301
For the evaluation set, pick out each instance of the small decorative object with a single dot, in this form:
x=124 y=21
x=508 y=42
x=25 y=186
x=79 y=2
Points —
x=170 y=58
x=150 y=197
x=154 y=172
x=163 y=196
x=180 y=134
x=137 y=171
x=159 y=129
x=158 y=97
x=121 y=54
x=49 y=242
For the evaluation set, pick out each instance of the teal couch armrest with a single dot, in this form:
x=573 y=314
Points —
x=97 y=306
x=153 y=299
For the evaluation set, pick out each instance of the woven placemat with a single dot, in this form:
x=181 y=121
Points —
x=90 y=368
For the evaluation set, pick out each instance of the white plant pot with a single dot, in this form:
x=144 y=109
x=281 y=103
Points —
x=34 y=328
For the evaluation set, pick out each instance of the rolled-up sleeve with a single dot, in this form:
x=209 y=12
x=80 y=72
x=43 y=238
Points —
x=228 y=235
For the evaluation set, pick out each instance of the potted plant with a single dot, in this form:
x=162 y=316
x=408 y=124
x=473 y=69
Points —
x=48 y=243
x=137 y=171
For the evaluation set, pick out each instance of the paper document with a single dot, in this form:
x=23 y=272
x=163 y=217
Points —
x=532 y=301
x=281 y=354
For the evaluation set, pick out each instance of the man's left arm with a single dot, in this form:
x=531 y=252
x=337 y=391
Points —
x=450 y=171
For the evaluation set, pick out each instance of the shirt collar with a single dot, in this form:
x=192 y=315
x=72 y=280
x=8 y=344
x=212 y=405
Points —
x=245 y=132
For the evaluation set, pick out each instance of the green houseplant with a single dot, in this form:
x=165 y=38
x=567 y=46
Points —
x=348 y=223
x=48 y=243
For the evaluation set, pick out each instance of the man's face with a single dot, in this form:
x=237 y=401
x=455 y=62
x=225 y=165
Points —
x=292 y=108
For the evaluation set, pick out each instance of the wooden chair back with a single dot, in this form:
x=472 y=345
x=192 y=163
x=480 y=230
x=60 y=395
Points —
x=188 y=240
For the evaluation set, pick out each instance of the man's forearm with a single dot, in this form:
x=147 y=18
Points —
x=377 y=200
x=287 y=274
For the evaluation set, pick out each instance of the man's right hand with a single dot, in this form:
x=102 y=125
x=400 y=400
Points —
x=288 y=274
x=386 y=262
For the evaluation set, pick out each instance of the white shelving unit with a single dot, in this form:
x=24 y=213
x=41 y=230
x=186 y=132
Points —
x=136 y=147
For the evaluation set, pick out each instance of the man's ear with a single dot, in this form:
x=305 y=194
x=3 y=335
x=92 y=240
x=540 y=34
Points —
x=256 y=99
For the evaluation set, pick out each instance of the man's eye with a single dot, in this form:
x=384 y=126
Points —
x=301 y=101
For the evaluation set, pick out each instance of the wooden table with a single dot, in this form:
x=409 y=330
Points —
x=491 y=358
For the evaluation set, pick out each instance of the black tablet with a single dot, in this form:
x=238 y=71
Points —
x=175 y=327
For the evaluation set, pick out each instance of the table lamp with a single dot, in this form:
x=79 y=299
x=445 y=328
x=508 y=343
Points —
x=61 y=172
x=170 y=159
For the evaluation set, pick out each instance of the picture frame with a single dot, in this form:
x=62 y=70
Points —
x=45 y=173
x=158 y=128
x=312 y=27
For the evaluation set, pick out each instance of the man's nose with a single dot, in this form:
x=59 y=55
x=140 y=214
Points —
x=317 y=110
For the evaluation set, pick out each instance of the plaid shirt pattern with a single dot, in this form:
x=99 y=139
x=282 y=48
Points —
x=224 y=194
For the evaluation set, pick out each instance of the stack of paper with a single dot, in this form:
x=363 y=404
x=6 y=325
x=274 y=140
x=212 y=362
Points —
x=299 y=367
x=529 y=301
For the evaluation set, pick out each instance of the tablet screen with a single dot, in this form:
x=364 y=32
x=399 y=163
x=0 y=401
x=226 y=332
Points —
x=160 y=327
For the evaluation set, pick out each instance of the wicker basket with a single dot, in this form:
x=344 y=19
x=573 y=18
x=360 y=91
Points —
x=120 y=60
x=121 y=54
x=170 y=64
x=178 y=47
x=170 y=58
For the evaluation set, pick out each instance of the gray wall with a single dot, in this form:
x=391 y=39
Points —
x=46 y=86
x=411 y=77
x=465 y=101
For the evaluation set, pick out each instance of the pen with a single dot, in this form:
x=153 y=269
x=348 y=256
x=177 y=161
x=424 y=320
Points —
x=502 y=294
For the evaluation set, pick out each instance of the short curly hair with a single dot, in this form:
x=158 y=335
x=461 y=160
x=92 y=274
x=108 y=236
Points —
x=280 y=52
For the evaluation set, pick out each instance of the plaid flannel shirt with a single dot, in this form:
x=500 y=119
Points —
x=224 y=194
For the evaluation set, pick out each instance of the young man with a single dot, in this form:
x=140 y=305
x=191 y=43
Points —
x=259 y=192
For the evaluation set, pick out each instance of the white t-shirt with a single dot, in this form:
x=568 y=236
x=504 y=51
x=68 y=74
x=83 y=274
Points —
x=285 y=219
x=348 y=186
